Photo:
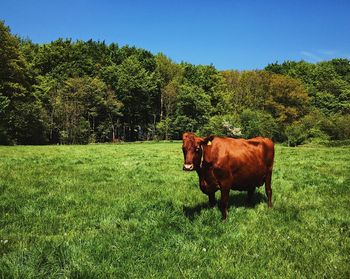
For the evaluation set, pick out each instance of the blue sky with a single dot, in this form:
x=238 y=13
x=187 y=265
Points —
x=229 y=34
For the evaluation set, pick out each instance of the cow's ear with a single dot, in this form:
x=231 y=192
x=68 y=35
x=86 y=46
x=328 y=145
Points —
x=208 y=140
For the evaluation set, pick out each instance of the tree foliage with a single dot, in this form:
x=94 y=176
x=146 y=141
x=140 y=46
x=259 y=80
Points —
x=88 y=91
x=20 y=112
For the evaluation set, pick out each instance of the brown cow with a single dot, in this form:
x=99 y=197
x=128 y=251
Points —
x=227 y=163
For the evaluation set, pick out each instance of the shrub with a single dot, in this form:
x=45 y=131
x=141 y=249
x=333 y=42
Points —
x=341 y=127
x=223 y=125
x=318 y=127
x=295 y=133
x=164 y=129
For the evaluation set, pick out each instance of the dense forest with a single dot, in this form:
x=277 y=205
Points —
x=75 y=92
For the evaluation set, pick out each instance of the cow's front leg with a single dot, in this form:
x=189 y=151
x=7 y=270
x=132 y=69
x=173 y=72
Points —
x=225 y=193
x=212 y=200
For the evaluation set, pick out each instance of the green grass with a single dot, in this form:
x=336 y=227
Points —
x=129 y=211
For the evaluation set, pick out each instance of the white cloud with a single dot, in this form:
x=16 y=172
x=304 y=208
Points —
x=322 y=55
x=311 y=55
x=327 y=52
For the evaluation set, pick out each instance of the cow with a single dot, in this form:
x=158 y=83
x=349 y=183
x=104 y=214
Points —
x=227 y=163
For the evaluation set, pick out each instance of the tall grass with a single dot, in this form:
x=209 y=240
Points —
x=129 y=211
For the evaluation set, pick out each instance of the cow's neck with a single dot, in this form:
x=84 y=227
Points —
x=202 y=157
x=200 y=173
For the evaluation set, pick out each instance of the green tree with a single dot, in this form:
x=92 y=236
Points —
x=193 y=108
x=287 y=99
x=248 y=89
x=138 y=90
x=171 y=76
x=83 y=110
x=327 y=82
x=21 y=120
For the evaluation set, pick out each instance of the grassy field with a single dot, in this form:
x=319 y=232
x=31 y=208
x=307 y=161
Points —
x=129 y=211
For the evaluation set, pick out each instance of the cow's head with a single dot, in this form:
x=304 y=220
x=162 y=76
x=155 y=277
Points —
x=191 y=147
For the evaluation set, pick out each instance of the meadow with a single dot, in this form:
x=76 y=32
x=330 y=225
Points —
x=129 y=211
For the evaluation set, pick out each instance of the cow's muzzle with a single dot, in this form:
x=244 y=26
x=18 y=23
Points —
x=188 y=167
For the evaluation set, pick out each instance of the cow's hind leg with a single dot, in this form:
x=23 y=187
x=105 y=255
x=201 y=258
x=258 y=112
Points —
x=268 y=188
x=250 y=195
x=225 y=193
x=212 y=200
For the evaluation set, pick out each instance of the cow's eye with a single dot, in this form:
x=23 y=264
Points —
x=197 y=148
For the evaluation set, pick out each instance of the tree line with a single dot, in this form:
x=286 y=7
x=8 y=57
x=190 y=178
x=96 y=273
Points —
x=76 y=92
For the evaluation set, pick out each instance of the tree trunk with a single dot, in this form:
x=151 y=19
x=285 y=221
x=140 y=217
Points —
x=161 y=105
x=113 y=133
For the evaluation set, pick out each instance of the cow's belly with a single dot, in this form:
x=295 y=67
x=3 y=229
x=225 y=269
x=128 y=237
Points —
x=241 y=175
x=244 y=179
